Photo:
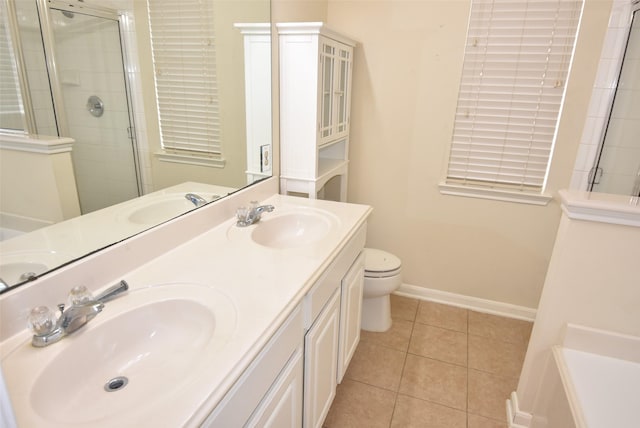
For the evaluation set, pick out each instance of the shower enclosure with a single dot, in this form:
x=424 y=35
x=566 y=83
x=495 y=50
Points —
x=87 y=95
x=617 y=166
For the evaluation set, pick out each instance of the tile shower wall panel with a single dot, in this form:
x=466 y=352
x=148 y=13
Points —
x=90 y=63
x=620 y=161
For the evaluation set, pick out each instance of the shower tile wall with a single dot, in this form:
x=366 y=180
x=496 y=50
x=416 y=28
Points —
x=603 y=91
x=89 y=63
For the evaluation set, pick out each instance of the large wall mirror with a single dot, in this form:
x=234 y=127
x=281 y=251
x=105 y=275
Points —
x=118 y=115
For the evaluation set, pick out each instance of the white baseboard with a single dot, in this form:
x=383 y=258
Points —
x=467 y=302
x=516 y=417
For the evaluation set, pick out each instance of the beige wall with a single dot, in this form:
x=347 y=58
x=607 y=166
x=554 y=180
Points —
x=36 y=189
x=405 y=83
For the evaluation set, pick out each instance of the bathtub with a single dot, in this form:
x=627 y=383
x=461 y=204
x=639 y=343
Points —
x=592 y=380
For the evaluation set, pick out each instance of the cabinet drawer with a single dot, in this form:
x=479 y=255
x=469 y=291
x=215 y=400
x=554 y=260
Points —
x=322 y=290
x=240 y=402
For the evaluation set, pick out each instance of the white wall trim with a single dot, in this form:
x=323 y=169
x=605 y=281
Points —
x=601 y=207
x=494 y=194
x=467 y=302
x=516 y=417
x=36 y=143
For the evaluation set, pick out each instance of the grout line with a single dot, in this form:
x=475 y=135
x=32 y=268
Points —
x=404 y=364
x=467 y=377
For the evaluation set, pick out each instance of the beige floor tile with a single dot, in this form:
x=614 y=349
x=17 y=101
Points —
x=488 y=393
x=500 y=328
x=439 y=343
x=376 y=365
x=443 y=316
x=403 y=308
x=397 y=337
x=358 y=405
x=495 y=356
x=475 y=421
x=435 y=381
x=411 y=412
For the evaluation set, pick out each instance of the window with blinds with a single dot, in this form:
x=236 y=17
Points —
x=516 y=65
x=184 y=60
x=11 y=111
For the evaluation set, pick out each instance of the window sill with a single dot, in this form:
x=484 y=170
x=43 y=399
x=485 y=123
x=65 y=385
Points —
x=191 y=159
x=494 y=194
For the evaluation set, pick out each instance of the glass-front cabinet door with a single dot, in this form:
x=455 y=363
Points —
x=335 y=68
x=341 y=92
x=327 y=66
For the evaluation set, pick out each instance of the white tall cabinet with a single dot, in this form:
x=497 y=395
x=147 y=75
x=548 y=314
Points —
x=315 y=99
x=257 y=88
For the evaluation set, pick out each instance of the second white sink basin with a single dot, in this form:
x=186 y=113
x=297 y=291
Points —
x=291 y=229
x=146 y=346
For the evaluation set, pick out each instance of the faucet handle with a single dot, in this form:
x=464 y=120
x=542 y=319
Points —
x=79 y=295
x=41 y=320
x=242 y=216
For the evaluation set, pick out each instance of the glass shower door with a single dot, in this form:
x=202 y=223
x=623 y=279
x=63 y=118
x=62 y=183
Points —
x=91 y=74
x=617 y=168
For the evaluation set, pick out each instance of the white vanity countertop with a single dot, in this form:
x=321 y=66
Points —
x=264 y=284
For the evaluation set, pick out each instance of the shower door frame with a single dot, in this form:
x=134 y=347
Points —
x=46 y=28
x=594 y=176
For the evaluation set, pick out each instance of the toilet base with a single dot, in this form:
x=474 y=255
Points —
x=376 y=313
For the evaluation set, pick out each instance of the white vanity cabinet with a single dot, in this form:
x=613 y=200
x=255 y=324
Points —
x=350 y=314
x=321 y=363
x=269 y=392
x=292 y=382
x=315 y=99
x=332 y=320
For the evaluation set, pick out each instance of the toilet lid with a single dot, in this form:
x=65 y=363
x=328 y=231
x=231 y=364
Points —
x=377 y=261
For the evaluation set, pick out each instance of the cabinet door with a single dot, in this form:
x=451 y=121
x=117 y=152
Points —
x=282 y=407
x=342 y=90
x=350 y=313
x=321 y=363
x=327 y=64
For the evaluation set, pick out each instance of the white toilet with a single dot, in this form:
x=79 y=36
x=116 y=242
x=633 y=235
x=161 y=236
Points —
x=381 y=277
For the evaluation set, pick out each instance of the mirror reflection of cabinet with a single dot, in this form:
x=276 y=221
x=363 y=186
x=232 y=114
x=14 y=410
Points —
x=315 y=96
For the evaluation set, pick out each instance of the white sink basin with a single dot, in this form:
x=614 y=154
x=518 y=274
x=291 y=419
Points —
x=292 y=229
x=17 y=266
x=161 y=208
x=157 y=339
x=159 y=211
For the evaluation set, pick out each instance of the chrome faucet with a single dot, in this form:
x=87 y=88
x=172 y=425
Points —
x=83 y=308
x=248 y=216
x=196 y=199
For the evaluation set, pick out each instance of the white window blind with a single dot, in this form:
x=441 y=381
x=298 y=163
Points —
x=184 y=59
x=11 y=110
x=515 y=68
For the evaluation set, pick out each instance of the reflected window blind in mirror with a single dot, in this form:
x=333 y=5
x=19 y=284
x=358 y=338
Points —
x=516 y=64
x=11 y=108
x=183 y=47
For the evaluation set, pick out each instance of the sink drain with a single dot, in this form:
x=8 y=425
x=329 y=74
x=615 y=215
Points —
x=116 y=384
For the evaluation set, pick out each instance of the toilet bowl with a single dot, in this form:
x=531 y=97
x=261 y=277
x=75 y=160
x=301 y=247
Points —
x=381 y=277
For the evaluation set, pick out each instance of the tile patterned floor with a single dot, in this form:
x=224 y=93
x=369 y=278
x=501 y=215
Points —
x=437 y=367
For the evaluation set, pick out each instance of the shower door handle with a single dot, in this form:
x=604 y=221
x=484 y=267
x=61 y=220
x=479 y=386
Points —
x=594 y=175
